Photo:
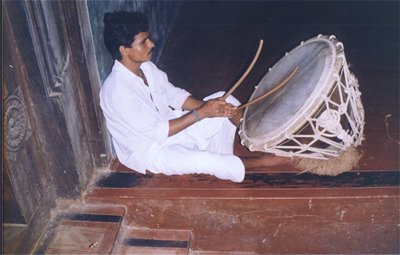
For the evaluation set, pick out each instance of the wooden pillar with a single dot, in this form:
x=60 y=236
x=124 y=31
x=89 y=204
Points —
x=54 y=135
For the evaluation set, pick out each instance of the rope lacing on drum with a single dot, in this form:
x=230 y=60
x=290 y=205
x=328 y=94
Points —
x=330 y=120
x=342 y=108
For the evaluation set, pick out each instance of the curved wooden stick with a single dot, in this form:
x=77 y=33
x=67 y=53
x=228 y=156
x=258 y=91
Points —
x=234 y=87
x=269 y=92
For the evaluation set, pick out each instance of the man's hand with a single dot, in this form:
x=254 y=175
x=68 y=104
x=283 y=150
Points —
x=208 y=109
x=216 y=108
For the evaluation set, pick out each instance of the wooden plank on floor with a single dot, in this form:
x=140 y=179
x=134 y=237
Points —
x=304 y=225
x=83 y=229
x=153 y=241
x=252 y=180
x=107 y=195
x=255 y=186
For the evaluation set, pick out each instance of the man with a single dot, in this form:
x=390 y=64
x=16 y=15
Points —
x=143 y=111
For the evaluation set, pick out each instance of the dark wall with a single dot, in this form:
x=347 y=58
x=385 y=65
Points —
x=161 y=16
x=369 y=31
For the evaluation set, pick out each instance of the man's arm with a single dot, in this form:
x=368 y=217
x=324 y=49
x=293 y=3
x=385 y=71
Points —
x=191 y=103
x=209 y=109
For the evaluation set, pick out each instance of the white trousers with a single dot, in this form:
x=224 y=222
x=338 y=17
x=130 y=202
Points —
x=205 y=147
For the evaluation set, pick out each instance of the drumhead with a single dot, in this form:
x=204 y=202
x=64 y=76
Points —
x=267 y=122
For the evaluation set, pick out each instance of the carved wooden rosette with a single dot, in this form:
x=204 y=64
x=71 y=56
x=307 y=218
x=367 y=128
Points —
x=16 y=124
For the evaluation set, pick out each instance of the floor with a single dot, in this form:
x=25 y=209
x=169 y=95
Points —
x=275 y=210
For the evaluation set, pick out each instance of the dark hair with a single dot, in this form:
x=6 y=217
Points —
x=120 y=28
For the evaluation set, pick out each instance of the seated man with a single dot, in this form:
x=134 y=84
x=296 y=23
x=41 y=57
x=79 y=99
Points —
x=158 y=127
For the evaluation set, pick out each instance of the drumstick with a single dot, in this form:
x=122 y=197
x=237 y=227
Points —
x=234 y=87
x=269 y=92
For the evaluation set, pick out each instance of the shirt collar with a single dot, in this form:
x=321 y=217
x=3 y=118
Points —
x=119 y=67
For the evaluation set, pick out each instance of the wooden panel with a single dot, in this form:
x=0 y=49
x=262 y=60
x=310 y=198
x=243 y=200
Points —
x=88 y=136
x=33 y=162
x=52 y=135
x=46 y=24
x=12 y=212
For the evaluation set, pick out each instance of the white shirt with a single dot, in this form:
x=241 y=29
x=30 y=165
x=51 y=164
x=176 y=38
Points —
x=137 y=115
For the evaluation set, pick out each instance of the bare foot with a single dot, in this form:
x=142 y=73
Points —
x=268 y=160
x=273 y=160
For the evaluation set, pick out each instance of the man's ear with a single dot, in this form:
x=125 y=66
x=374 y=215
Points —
x=122 y=50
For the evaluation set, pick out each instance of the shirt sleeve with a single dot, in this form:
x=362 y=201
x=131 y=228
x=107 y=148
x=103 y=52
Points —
x=139 y=119
x=175 y=96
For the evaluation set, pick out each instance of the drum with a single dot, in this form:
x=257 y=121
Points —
x=318 y=114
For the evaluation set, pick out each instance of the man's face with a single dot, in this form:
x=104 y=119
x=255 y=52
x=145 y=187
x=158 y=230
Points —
x=140 y=50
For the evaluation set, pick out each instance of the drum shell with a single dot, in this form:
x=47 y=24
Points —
x=271 y=140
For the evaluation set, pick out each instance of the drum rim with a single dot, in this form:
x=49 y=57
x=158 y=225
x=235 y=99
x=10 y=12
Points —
x=308 y=109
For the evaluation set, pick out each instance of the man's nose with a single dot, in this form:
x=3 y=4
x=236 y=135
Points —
x=151 y=44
